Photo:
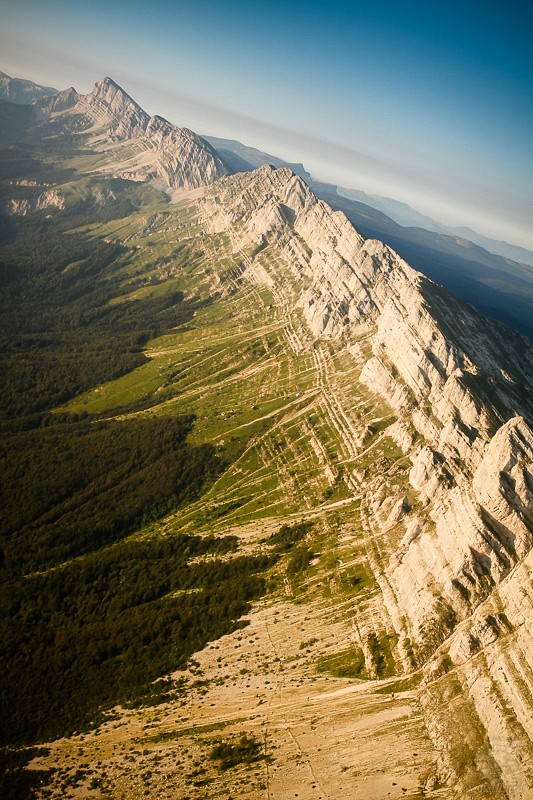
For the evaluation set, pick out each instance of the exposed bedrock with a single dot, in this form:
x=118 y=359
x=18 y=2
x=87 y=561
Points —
x=177 y=156
x=459 y=581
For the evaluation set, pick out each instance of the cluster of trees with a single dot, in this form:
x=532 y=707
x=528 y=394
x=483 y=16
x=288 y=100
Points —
x=17 y=781
x=97 y=630
x=24 y=160
x=290 y=539
x=289 y=535
x=245 y=750
x=92 y=612
x=37 y=380
x=74 y=488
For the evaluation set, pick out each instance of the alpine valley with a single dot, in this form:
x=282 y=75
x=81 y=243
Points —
x=267 y=516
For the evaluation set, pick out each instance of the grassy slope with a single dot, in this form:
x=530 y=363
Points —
x=303 y=440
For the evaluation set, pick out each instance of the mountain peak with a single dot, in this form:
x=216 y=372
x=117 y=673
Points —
x=180 y=157
x=62 y=100
x=107 y=80
x=107 y=83
x=23 y=92
x=109 y=90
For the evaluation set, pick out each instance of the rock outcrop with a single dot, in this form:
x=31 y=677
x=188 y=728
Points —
x=179 y=158
x=461 y=387
x=51 y=198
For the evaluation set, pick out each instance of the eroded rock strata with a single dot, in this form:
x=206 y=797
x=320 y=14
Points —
x=142 y=146
x=458 y=585
x=449 y=545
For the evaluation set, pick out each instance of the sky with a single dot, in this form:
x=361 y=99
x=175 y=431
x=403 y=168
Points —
x=425 y=102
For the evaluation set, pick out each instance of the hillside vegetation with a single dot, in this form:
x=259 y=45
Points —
x=265 y=524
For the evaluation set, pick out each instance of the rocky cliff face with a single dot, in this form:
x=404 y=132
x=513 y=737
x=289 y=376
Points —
x=177 y=156
x=51 y=198
x=461 y=388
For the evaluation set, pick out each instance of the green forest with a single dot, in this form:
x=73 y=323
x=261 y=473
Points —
x=98 y=630
x=73 y=488
x=96 y=604
x=59 y=333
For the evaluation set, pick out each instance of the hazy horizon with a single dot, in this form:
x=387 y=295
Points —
x=431 y=107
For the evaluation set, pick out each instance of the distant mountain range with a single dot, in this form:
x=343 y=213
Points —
x=241 y=157
x=473 y=270
x=18 y=90
x=406 y=216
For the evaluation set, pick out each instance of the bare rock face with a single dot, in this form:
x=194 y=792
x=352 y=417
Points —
x=62 y=101
x=108 y=105
x=179 y=157
x=51 y=198
x=461 y=387
x=503 y=485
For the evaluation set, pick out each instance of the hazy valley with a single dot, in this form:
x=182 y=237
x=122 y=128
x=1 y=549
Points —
x=269 y=496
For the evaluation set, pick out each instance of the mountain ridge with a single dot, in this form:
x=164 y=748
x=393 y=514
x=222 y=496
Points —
x=22 y=91
x=378 y=439
x=460 y=418
x=181 y=158
x=398 y=211
x=501 y=288
x=405 y=215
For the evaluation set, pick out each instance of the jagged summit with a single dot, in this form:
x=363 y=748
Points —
x=106 y=82
x=179 y=157
x=119 y=102
x=107 y=87
x=359 y=398
x=270 y=202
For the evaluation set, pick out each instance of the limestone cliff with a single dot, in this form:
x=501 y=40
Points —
x=461 y=387
x=51 y=198
x=156 y=148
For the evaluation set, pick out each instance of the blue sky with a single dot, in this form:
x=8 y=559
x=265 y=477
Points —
x=428 y=103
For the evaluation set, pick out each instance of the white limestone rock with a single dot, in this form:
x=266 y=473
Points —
x=51 y=198
x=439 y=364
x=179 y=157
x=503 y=485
